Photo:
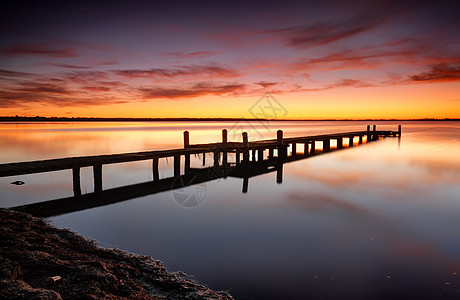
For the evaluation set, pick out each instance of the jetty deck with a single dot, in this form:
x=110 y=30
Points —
x=250 y=159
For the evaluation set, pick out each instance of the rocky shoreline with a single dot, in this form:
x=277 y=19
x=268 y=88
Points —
x=31 y=250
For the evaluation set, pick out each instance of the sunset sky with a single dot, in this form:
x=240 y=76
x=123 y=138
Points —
x=331 y=59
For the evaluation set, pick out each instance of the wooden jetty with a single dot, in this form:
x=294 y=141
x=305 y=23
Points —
x=249 y=161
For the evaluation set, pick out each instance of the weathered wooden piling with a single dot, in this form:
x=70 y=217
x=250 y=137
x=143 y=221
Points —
x=313 y=147
x=279 y=142
x=294 y=149
x=76 y=182
x=305 y=149
x=186 y=139
x=224 y=136
x=156 y=173
x=260 y=155
x=339 y=142
x=350 y=140
x=326 y=145
x=97 y=173
x=245 y=147
x=176 y=165
x=399 y=130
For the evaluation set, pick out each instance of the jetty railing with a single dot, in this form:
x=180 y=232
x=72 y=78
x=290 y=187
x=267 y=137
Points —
x=249 y=161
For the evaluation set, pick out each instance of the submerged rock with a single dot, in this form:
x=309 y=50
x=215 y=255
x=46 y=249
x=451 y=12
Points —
x=32 y=250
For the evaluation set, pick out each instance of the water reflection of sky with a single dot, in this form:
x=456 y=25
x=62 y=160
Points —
x=375 y=221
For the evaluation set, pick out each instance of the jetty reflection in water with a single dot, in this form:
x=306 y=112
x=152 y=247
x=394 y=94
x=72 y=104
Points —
x=265 y=162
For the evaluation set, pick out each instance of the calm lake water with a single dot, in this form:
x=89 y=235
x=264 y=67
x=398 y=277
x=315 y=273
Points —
x=378 y=220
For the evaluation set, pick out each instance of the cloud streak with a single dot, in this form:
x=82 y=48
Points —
x=199 y=89
x=188 y=55
x=180 y=71
x=40 y=49
x=327 y=32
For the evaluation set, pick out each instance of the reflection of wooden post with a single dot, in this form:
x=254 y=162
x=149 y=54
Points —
x=245 y=184
x=326 y=145
x=97 y=172
x=305 y=149
x=224 y=136
x=176 y=165
x=76 y=181
x=260 y=155
x=313 y=147
x=279 y=173
x=294 y=149
x=339 y=142
x=186 y=139
x=156 y=174
x=279 y=141
x=245 y=147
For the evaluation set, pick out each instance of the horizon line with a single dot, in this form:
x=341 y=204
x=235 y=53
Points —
x=121 y=119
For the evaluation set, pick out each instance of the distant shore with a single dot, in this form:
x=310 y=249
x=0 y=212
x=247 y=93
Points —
x=31 y=250
x=91 y=119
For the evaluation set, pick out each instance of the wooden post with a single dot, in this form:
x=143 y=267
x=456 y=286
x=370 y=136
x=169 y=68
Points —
x=313 y=147
x=156 y=174
x=360 y=139
x=305 y=149
x=76 y=182
x=260 y=155
x=204 y=159
x=399 y=130
x=350 y=142
x=279 y=140
x=187 y=164
x=245 y=147
x=176 y=165
x=374 y=129
x=237 y=157
x=294 y=149
x=186 y=139
x=224 y=158
x=270 y=153
x=339 y=142
x=326 y=145
x=216 y=158
x=97 y=173
x=224 y=136
x=368 y=128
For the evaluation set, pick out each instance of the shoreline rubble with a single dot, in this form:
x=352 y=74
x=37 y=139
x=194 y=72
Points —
x=32 y=251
